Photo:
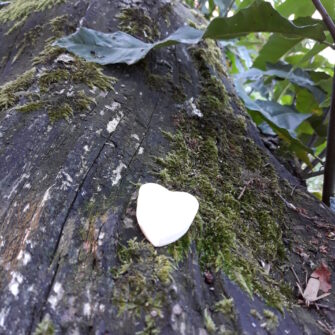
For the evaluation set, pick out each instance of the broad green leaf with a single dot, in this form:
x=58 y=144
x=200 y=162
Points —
x=104 y=48
x=306 y=103
x=120 y=47
x=278 y=118
x=326 y=103
x=252 y=19
x=297 y=7
x=276 y=47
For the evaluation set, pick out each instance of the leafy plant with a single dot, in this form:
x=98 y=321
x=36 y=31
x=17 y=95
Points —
x=275 y=57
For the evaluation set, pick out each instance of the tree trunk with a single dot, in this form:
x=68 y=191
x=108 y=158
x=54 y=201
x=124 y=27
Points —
x=77 y=140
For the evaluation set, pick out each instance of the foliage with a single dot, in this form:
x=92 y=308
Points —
x=279 y=72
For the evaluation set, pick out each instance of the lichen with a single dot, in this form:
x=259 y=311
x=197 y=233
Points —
x=238 y=224
x=142 y=282
x=18 y=11
x=137 y=22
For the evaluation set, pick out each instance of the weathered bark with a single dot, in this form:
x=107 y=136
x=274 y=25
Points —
x=68 y=189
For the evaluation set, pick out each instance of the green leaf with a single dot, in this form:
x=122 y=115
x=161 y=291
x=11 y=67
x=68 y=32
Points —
x=104 y=48
x=282 y=120
x=120 y=47
x=297 y=7
x=260 y=17
x=306 y=103
x=276 y=47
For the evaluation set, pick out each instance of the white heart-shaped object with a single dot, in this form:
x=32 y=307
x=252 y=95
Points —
x=164 y=216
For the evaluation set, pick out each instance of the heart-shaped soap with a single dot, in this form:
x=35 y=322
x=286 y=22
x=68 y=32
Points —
x=164 y=216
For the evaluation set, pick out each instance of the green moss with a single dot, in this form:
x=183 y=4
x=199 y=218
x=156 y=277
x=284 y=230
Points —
x=141 y=281
x=136 y=22
x=45 y=327
x=213 y=159
x=165 y=83
x=51 y=77
x=19 y=10
x=57 y=25
x=166 y=11
x=64 y=111
x=271 y=320
x=29 y=38
x=47 y=55
x=9 y=92
x=31 y=107
x=225 y=306
x=256 y=314
x=209 y=323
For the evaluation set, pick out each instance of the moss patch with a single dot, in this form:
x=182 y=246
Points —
x=45 y=327
x=60 y=89
x=19 y=10
x=10 y=92
x=137 y=22
x=141 y=283
x=225 y=306
x=239 y=220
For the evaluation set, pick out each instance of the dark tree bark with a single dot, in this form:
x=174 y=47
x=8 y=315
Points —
x=76 y=142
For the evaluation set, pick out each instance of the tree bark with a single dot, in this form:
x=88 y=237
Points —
x=76 y=142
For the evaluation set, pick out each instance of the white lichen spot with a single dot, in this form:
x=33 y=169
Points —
x=192 y=109
x=135 y=136
x=117 y=173
x=66 y=179
x=111 y=126
x=114 y=106
x=102 y=308
x=64 y=58
x=3 y=315
x=16 y=184
x=46 y=197
x=87 y=309
x=15 y=282
x=26 y=207
x=24 y=256
x=27 y=186
x=86 y=148
x=102 y=112
x=57 y=296
x=140 y=151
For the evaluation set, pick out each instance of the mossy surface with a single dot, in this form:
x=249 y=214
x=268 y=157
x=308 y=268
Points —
x=19 y=10
x=142 y=282
x=137 y=22
x=45 y=327
x=59 y=88
x=239 y=220
x=10 y=92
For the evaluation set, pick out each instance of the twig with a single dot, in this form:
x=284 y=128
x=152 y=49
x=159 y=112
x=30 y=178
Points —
x=315 y=162
x=325 y=16
x=313 y=174
x=329 y=179
x=295 y=274
x=244 y=188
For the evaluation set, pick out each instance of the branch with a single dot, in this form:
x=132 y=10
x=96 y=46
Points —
x=313 y=174
x=329 y=176
x=325 y=16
